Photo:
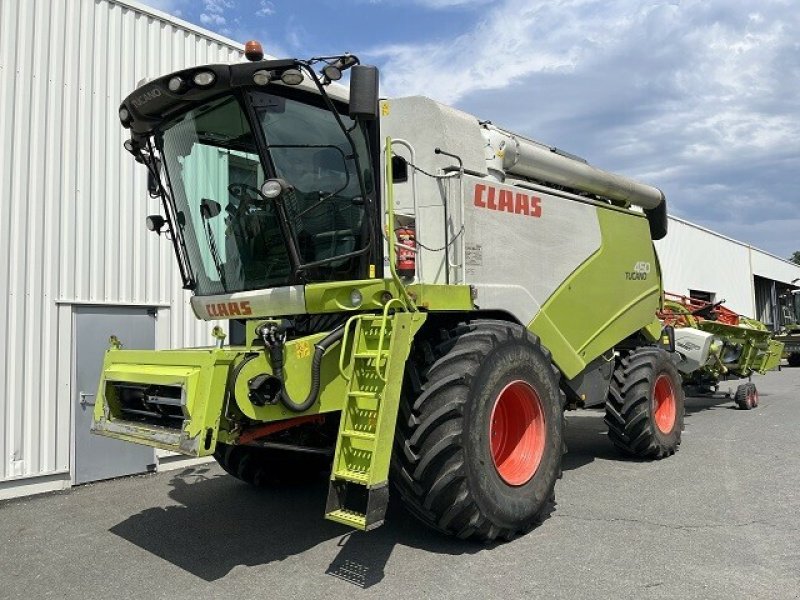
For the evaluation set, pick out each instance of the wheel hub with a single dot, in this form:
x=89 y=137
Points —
x=664 y=410
x=517 y=433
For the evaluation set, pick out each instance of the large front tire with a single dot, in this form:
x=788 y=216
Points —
x=645 y=406
x=480 y=435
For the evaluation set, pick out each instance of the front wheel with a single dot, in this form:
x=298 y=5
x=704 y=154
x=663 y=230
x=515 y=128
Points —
x=480 y=436
x=644 y=410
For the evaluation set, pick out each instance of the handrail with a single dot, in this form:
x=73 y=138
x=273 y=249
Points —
x=343 y=346
x=390 y=225
x=384 y=321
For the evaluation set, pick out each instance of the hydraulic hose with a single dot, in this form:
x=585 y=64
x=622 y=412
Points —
x=276 y=358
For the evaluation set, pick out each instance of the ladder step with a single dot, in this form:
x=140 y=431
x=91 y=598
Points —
x=361 y=435
x=360 y=477
x=370 y=355
x=361 y=394
x=348 y=517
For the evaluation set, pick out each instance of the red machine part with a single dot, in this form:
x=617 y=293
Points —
x=698 y=309
x=406 y=251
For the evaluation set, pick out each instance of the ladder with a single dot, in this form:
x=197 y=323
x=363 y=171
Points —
x=358 y=492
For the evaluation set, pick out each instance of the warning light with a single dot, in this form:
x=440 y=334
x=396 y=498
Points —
x=253 y=51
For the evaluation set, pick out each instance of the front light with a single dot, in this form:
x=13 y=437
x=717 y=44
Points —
x=262 y=77
x=124 y=115
x=292 y=77
x=272 y=188
x=204 y=78
x=356 y=298
x=175 y=84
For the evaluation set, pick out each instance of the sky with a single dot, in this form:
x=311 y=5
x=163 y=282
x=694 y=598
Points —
x=700 y=98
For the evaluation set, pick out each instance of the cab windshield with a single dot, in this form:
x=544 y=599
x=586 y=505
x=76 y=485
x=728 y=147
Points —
x=232 y=233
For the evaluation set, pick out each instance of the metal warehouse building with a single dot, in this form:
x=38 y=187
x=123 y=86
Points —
x=77 y=261
x=706 y=265
x=78 y=264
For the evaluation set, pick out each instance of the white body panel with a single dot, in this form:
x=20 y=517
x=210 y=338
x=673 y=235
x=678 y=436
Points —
x=521 y=244
x=694 y=348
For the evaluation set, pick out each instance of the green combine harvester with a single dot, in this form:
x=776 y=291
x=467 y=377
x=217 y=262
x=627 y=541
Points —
x=715 y=344
x=414 y=296
x=790 y=335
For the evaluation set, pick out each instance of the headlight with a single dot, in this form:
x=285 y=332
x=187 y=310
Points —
x=272 y=188
x=262 y=77
x=175 y=84
x=356 y=298
x=124 y=115
x=292 y=77
x=204 y=78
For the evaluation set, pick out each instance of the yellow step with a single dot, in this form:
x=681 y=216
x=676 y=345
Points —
x=348 y=517
x=360 y=477
x=361 y=435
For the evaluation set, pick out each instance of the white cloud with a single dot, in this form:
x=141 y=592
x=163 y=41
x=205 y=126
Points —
x=214 y=13
x=265 y=9
x=698 y=96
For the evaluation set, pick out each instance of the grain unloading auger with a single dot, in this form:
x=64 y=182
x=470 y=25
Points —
x=402 y=283
x=715 y=344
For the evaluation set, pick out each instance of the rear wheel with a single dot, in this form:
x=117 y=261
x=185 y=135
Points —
x=480 y=435
x=644 y=410
x=746 y=397
x=269 y=466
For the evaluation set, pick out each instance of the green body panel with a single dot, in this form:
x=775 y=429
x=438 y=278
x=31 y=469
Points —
x=335 y=296
x=201 y=374
x=298 y=355
x=606 y=299
x=760 y=353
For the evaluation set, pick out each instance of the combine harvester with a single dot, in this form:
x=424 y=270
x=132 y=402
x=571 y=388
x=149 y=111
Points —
x=407 y=288
x=717 y=344
x=790 y=336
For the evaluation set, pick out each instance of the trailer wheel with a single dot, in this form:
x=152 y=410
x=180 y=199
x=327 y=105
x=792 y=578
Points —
x=794 y=359
x=268 y=466
x=746 y=397
x=644 y=410
x=479 y=439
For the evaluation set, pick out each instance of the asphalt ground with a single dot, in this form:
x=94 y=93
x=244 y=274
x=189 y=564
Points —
x=720 y=519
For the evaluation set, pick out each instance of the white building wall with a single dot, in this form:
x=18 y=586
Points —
x=72 y=205
x=695 y=258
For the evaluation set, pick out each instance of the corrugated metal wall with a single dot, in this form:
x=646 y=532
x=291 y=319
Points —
x=72 y=202
x=695 y=258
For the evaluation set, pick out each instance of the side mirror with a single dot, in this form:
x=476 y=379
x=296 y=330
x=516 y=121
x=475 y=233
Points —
x=210 y=208
x=155 y=223
x=364 y=92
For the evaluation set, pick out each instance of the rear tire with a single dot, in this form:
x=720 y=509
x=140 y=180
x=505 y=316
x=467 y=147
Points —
x=746 y=397
x=645 y=406
x=476 y=386
x=794 y=360
x=268 y=466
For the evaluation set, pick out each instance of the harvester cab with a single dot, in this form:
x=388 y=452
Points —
x=422 y=293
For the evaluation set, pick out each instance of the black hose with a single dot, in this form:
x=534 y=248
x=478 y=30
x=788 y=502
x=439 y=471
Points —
x=276 y=358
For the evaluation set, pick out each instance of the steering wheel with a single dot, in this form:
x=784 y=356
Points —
x=249 y=195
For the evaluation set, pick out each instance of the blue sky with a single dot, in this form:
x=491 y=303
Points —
x=698 y=97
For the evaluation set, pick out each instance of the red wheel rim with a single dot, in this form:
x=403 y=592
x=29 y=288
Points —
x=754 y=398
x=517 y=433
x=664 y=400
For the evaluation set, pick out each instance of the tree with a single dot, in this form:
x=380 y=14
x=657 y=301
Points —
x=795 y=257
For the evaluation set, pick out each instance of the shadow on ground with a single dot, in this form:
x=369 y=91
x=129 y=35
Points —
x=221 y=523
